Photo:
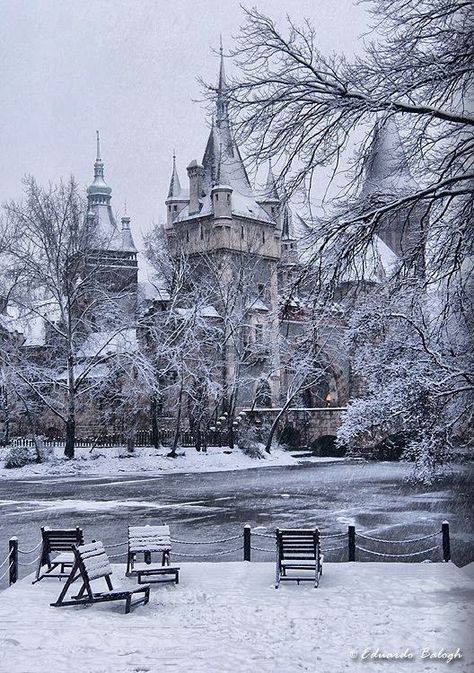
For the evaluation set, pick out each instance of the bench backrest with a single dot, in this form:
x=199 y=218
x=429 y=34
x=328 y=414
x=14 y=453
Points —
x=93 y=560
x=298 y=544
x=61 y=539
x=149 y=538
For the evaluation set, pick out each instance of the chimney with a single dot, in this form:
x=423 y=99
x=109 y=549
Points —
x=195 y=173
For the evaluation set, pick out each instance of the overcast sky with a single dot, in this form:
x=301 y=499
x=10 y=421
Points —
x=128 y=68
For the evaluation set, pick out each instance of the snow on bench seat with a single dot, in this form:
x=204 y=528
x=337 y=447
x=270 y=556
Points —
x=95 y=560
x=149 y=538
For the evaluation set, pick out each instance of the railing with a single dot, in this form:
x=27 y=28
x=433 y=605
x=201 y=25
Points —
x=164 y=437
x=344 y=542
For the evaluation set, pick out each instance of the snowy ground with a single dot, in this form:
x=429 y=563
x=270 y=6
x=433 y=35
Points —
x=227 y=617
x=115 y=460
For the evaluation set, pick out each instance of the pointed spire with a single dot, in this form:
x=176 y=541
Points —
x=271 y=192
x=174 y=190
x=99 y=195
x=221 y=104
x=98 y=165
x=98 y=189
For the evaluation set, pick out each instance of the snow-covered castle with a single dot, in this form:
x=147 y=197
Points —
x=255 y=244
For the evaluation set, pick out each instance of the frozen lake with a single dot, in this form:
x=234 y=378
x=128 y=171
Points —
x=208 y=506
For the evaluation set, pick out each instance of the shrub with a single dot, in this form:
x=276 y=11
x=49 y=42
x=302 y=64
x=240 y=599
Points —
x=19 y=456
x=249 y=441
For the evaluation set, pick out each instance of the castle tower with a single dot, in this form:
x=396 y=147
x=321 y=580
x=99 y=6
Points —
x=177 y=197
x=387 y=177
x=223 y=217
x=115 y=257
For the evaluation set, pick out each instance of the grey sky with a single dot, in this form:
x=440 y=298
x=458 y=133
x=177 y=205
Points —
x=128 y=68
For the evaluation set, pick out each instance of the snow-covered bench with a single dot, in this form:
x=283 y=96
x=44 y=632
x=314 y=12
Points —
x=91 y=563
x=61 y=542
x=298 y=549
x=149 y=540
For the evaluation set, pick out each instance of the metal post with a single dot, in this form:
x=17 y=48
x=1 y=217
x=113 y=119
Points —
x=247 y=538
x=13 y=559
x=351 y=532
x=446 y=542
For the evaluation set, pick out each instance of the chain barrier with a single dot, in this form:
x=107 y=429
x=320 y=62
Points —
x=263 y=534
x=269 y=551
x=4 y=560
x=29 y=563
x=327 y=537
x=30 y=551
x=416 y=553
x=6 y=571
x=324 y=550
x=217 y=553
x=113 y=546
x=226 y=539
x=415 y=539
x=117 y=555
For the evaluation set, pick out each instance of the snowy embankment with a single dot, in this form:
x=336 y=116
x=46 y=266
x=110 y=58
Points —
x=115 y=460
x=227 y=617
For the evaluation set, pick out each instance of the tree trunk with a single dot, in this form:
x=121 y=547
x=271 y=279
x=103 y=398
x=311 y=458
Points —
x=155 y=437
x=131 y=443
x=6 y=424
x=172 y=453
x=197 y=437
x=71 y=401
x=274 y=426
x=70 y=437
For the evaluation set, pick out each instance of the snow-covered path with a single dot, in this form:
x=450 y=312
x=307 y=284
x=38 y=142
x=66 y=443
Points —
x=227 y=617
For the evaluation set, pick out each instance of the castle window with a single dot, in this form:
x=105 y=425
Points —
x=261 y=289
x=201 y=233
x=242 y=234
x=175 y=208
x=169 y=208
x=187 y=237
x=263 y=237
x=217 y=197
x=228 y=198
x=258 y=333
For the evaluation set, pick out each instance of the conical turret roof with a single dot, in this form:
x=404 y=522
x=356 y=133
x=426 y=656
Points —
x=386 y=168
x=99 y=195
x=175 y=190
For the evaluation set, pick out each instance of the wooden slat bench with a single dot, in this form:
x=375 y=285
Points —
x=298 y=549
x=91 y=563
x=149 y=540
x=60 y=541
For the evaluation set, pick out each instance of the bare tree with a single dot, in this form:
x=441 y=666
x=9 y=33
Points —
x=306 y=110
x=60 y=285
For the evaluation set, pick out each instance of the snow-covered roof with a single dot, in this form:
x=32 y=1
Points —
x=100 y=210
x=223 y=165
x=175 y=191
x=376 y=264
x=110 y=342
x=257 y=305
x=204 y=312
x=386 y=168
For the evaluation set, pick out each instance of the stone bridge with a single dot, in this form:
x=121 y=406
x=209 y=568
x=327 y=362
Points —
x=315 y=427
